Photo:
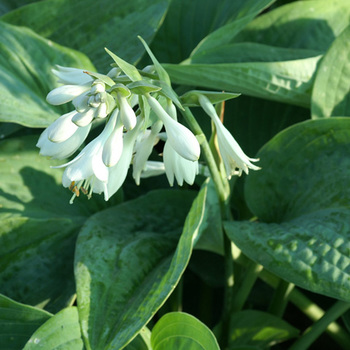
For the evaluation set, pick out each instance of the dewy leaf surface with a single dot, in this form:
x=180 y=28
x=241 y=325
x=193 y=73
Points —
x=128 y=260
x=26 y=61
x=61 y=331
x=90 y=25
x=302 y=200
x=18 y=322
x=331 y=92
x=38 y=226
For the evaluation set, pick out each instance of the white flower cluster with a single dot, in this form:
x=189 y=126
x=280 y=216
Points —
x=135 y=112
x=127 y=138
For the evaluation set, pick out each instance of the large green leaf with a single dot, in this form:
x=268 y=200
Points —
x=331 y=92
x=188 y=22
x=302 y=200
x=127 y=264
x=245 y=11
x=18 y=322
x=38 y=226
x=284 y=81
x=180 y=331
x=25 y=75
x=89 y=25
x=61 y=331
x=258 y=330
x=9 y=5
x=302 y=24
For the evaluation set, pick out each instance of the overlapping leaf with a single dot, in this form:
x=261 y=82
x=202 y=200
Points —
x=38 y=227
x=61 y=331
x=89 y=25
x=302 y=200
x=331 y=92
x=26 y=61
x=178 y=330
x=284 y=81
x=18 y=322
x=301 y=24
x=127 y=264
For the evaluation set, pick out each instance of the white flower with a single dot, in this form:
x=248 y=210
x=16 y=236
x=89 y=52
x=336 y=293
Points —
x=87 y=172
x=143 y=148
x=113 y=147
x=178 y=167
x=234 y=159
x=62 y=138
x=182 y=139
x=127 y=114
x=153 y=168
x=73 y=76
x=117 y=173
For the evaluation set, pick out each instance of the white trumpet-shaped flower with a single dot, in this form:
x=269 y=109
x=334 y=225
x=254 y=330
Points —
x=117 y=173
x=153 y=168
x=62 y=138
x=181 y=139
x=127 y=114
x=87 y=172
x=178 y=167
x=113 y=147
x=143 y=149
x=235 y=161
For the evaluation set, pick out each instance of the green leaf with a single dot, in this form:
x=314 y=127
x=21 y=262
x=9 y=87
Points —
x=130 y=70
x=25 y=75
x=301 y=197
x=142 y=87
x=9 y=5
x=285 y=81
x=178 y=330
x=89 y=25
x=128 y=260
x=142 y=341
x=331 y=92
x=245 y=11
x=257 y=329
x=18 y=322
x=181 y=25
x=38 y=226
x=301 y=24
x=190 y=98
x=210 y=235
x=61 y=331
x=162 y=74
x=251 y=52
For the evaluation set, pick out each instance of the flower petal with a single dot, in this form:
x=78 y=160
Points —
x=65 y=93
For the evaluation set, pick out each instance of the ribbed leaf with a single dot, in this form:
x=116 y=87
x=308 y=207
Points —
x=180 y=331
x=89 y=25
x=25 y=75
x=127 y=264
x=18 y=322
x=302 y=199
x=331 y=92
x=61 y=331
x=38 y=226
x=285 y=81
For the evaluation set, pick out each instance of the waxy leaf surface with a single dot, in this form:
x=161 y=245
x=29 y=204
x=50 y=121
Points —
x=302 y=200
x=128 y=260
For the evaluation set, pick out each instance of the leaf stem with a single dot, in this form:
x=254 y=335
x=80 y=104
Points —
x=313 y=332
x=241 y=294
x=223 y=194
x=280 y=298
